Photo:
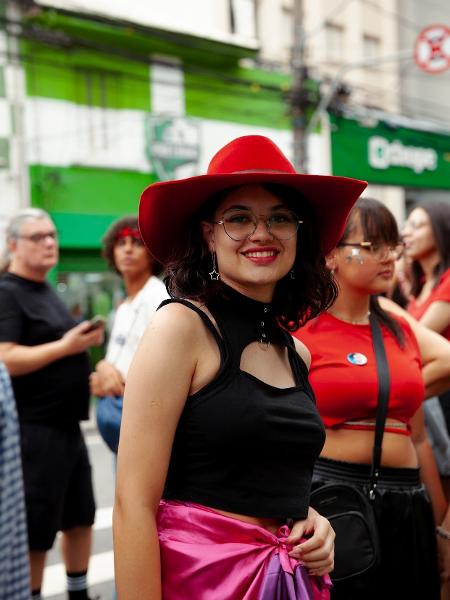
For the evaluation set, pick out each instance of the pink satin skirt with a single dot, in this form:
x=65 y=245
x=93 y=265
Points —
x=208 y=556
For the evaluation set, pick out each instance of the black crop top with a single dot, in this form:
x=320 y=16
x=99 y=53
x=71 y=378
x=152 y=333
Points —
x=243 y=445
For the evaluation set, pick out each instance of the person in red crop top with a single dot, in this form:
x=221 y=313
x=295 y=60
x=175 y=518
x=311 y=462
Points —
x=344 y=378
x=427 y=242
x=220 y=430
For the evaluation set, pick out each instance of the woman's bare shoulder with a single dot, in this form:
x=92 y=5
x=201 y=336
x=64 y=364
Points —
x=303 y=352
x=176 y=316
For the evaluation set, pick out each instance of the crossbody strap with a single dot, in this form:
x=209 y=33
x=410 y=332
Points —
x=383 y=396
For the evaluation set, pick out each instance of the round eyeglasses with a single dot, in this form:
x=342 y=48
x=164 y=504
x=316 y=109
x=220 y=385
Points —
x=40 y=238
x=241 y=224
x=379 y=252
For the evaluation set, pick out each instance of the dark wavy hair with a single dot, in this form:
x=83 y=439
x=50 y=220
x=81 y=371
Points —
x=439 y=214
x=379 y=226
x=295 y=300
x=110 y=238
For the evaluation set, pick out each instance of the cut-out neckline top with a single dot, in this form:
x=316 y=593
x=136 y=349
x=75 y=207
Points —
x=243 y=445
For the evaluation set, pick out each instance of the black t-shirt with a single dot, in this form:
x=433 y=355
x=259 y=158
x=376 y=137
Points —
x=32 y=314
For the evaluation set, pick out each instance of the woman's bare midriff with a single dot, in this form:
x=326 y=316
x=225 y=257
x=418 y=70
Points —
x=271 y=525
x=356 y=446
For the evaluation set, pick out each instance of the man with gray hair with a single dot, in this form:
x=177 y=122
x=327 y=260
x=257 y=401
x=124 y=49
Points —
x=45 y=354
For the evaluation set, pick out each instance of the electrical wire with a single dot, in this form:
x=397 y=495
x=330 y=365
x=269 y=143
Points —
x=250 y=88
x=144 y=59
x=393 y=14
x=436 y=5
x=180 y=38
x=247 y=92
x=329 y=17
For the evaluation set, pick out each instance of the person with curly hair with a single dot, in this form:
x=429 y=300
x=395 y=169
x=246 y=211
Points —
x=126 y=254
x=220 y=431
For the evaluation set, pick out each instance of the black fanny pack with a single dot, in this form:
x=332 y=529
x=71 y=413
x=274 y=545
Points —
x=350 y=512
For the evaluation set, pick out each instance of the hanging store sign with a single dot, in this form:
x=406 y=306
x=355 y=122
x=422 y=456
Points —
x=172 y=144
x=389 y=155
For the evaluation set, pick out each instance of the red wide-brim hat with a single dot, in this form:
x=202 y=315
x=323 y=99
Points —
x=167 y=206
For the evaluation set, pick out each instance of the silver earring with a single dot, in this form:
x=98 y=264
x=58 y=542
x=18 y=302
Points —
x=214 y=274
x=292 y=274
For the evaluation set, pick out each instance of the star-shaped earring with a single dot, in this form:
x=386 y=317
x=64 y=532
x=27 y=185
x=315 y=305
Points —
x=214 y=274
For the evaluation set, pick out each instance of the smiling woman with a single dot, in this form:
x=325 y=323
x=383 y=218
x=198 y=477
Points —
x=246 y=241
x=211 y=493
x=427 y=239
x=427 y=234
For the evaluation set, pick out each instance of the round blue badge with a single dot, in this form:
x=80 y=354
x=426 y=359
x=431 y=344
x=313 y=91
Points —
x=357 y=358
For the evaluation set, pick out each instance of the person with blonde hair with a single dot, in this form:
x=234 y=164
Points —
x=45 y=353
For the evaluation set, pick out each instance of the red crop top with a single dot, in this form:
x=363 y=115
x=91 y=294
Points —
x=345 y=388
x=441 y=293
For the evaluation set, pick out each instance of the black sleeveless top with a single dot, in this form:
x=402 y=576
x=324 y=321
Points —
x=242 y=445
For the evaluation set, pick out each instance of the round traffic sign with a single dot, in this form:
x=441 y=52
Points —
x=432 y=49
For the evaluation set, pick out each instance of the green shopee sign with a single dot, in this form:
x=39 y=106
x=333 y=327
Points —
x=388 y=155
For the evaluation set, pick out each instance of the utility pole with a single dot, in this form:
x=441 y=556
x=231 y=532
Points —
x=299 y=75
x=338 y=80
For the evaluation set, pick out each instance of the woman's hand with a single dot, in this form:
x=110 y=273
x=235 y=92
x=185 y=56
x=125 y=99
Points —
x=109 y=380
x=317 y=552
x=95 y=385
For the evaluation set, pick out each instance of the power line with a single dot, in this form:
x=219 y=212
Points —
x=393 y=14
x=429 y=115
x=367 y=86
x=378 y=89
x=220 y=78
x=329 y=17
x=249 y=89
x=65 y=42
x=436 y=5
x=181 y=39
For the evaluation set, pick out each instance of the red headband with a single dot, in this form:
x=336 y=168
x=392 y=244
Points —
x=132 y=232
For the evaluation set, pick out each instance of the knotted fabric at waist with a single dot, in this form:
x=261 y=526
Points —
x=205 y=554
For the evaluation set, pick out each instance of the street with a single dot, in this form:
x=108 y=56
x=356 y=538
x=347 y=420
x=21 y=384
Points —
x=101 y=570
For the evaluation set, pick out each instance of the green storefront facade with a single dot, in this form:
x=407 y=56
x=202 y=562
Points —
x=105 y=68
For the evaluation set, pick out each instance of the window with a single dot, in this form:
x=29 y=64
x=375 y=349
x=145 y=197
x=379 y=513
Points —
x=371 y=46
x=242 y=18
x=334 y=35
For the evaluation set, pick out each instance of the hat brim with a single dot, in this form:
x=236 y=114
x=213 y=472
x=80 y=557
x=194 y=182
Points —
x=166 y=207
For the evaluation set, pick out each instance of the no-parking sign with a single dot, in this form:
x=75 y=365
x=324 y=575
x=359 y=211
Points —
x=432 y=49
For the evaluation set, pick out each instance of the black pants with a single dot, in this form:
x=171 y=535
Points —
x=409 y=564
x=57 y=481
